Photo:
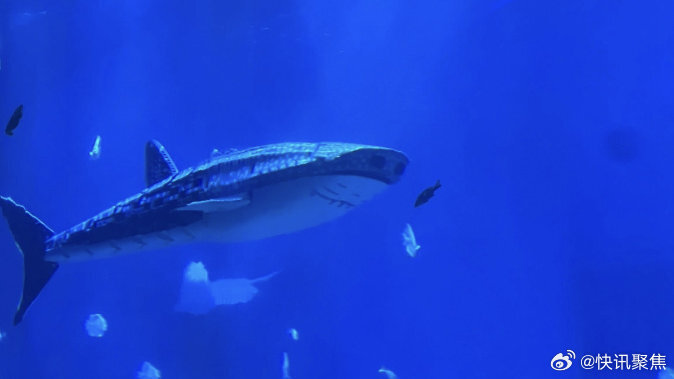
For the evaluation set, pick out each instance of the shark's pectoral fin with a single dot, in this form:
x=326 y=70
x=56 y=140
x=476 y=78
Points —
x=158 y=163
x=223 y=204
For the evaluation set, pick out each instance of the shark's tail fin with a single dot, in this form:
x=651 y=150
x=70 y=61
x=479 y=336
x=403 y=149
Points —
x=30 y=235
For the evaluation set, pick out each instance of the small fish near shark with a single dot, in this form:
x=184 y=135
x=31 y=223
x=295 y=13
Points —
x=245 y=195
x=426 y=194
x=13 y=122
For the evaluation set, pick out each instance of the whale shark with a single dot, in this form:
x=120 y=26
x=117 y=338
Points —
x=243 y=195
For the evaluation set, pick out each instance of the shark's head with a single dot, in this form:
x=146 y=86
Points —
x=379 y=163
x=287 y=187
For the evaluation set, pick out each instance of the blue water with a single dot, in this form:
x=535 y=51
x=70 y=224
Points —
x=550 y=125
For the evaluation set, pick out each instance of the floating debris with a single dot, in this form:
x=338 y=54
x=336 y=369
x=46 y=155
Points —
x=96 y=325
x=95 y=152
x=285 y=366
x=147 y=371
x=426 y=194
x=410 y=242
x=294 y=334
x=389 y=374
x=198 y=294
x=215 y=153
x=14 y=120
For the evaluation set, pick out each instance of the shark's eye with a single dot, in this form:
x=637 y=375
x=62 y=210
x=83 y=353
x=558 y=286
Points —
x=377 y=161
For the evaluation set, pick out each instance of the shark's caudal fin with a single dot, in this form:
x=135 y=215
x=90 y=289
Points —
x=30 y=235
x=158 y=163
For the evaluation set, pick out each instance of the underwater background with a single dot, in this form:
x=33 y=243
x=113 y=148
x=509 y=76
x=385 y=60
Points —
x=549 y=124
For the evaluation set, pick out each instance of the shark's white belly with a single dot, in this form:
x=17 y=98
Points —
x=276 y=209
x=291 y=206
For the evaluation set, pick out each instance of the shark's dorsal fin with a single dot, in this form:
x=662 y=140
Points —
x=158 y=163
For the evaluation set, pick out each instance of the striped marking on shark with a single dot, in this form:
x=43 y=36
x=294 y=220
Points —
x=243 y=195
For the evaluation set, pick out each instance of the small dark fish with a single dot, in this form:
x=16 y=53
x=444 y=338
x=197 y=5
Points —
x=14 y=121
x=427 y=194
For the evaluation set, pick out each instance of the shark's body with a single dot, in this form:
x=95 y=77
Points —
x=244 y=195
